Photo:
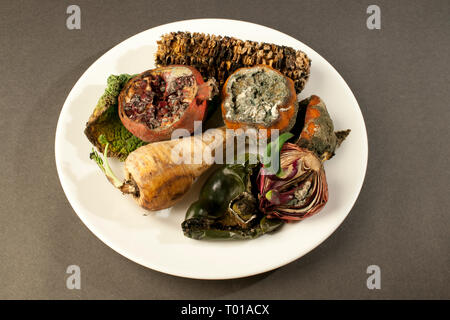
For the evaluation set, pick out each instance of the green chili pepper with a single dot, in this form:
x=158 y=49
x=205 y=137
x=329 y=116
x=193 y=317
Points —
x=226 y=208
x=201 y=229
x=220 y=188
x=227 y=205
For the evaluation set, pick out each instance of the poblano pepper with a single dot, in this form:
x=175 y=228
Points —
x=227 y=207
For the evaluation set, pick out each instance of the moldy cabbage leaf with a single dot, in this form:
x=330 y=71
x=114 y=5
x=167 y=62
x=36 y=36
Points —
x=104 y=125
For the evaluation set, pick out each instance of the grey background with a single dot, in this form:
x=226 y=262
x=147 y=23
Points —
x=399 y=75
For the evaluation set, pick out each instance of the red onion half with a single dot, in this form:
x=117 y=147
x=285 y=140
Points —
x=299 y=190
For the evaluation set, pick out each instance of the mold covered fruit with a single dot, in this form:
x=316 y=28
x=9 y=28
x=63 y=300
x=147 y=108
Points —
x=259 y=97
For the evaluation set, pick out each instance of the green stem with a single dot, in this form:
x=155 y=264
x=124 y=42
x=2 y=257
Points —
x=109 y=173
x=275 y=146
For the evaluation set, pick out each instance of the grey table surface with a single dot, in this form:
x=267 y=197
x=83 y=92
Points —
x=400 y=222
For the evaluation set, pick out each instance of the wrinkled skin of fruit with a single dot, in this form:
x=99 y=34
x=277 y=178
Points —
x=156 y=102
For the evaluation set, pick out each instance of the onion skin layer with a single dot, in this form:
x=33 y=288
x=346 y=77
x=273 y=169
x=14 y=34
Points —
x=310 y=167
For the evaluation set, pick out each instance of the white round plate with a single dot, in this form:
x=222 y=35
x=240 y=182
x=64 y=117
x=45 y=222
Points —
x=155 y=239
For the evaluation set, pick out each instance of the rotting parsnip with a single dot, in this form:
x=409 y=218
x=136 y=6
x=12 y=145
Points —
x=157 y=180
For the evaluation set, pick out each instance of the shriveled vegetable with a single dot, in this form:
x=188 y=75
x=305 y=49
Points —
x=298 y=191
x=104 y=125
x=227 y=207
x=318 y=131
x=217 y=56
x=206 y=229
x=157 y=179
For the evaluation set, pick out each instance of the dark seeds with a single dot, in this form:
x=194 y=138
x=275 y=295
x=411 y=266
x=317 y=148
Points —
x=157 y=103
